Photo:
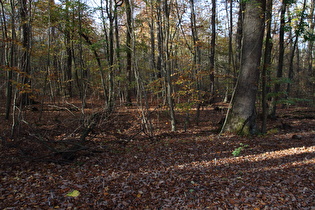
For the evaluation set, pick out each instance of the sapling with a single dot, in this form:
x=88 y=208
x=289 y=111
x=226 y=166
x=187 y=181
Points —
x=237 y=151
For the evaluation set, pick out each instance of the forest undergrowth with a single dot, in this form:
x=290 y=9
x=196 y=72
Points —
x=64 y=158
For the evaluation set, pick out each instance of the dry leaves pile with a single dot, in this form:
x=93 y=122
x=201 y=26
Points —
x=182 y=170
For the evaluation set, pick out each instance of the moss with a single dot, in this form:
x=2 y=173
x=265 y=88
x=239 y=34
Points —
x=237 y=125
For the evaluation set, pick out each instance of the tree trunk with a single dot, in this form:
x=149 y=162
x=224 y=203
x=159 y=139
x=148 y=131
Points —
x=167 y=67
x=196 y=58
x=152 y=40
x=164 y=55
x=239 y=38
x=118 y=55
x=9 y=56
x=280 y=61
x=129 y=52
x=68 y=38
x=311 y=71
x=298 y=32
x=212 y=47
x=26 y=52
x=111 y=94
x=241 y=116
x=266 y=66
x=231 y=63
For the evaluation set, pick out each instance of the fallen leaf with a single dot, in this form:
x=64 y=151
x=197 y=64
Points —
x=74 y=193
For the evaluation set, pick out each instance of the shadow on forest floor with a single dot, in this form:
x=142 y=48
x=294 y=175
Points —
x=121 y=167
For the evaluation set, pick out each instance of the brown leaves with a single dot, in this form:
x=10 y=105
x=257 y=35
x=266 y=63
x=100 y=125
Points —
x=191 y=170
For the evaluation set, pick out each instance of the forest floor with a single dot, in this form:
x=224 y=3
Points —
x=119 y=166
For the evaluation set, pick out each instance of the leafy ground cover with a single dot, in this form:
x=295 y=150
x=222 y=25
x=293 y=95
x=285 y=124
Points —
x=122 y=167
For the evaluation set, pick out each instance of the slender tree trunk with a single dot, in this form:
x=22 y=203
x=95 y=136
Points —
x=165 y=61
x=79 y=70
x=298 y=32
x=160 y=38
x=68 y=38
x=111 y=94
x=212 y=47
x=118 y=55
x=196 y=58
x=152 y=39
x=129 y=52
x=241 y=116
x=83 y=71
x=266 y=66
x=239 y=38
x=311 y=71
x=48 y=68
x=231 y=63
x=160 y=46
x=26 y=51
x=9 y=56
x=280 y=61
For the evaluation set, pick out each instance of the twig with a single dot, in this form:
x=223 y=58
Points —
x=76 y=108
x=62 y=108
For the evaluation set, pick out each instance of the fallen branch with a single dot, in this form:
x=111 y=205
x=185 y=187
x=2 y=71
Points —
x=92 y=122
x=61 y=108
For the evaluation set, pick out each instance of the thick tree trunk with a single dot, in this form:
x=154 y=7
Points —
x=241 y=115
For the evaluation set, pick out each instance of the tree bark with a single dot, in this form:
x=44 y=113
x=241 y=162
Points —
x=239 y=38
x=111 y=91
x=311 y=71
x=26 y=51
x=231 y=63
x=129 y=51
x=68 y=38
x=280 y=61
x=266 y=66
x=196 y=57
x=212 y=47
x=241 y=116
x=167 y=66
x=9 y=56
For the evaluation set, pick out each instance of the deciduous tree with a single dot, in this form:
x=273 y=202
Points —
x=242 y=115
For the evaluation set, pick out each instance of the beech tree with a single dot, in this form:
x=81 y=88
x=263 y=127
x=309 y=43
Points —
x=241 y=115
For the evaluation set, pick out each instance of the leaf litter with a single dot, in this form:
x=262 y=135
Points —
x=176 y=170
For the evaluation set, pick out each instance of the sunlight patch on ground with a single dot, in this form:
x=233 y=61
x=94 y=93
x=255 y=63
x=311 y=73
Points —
x=256 y=158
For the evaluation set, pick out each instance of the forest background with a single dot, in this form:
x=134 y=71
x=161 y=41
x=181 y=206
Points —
x=177 y=54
